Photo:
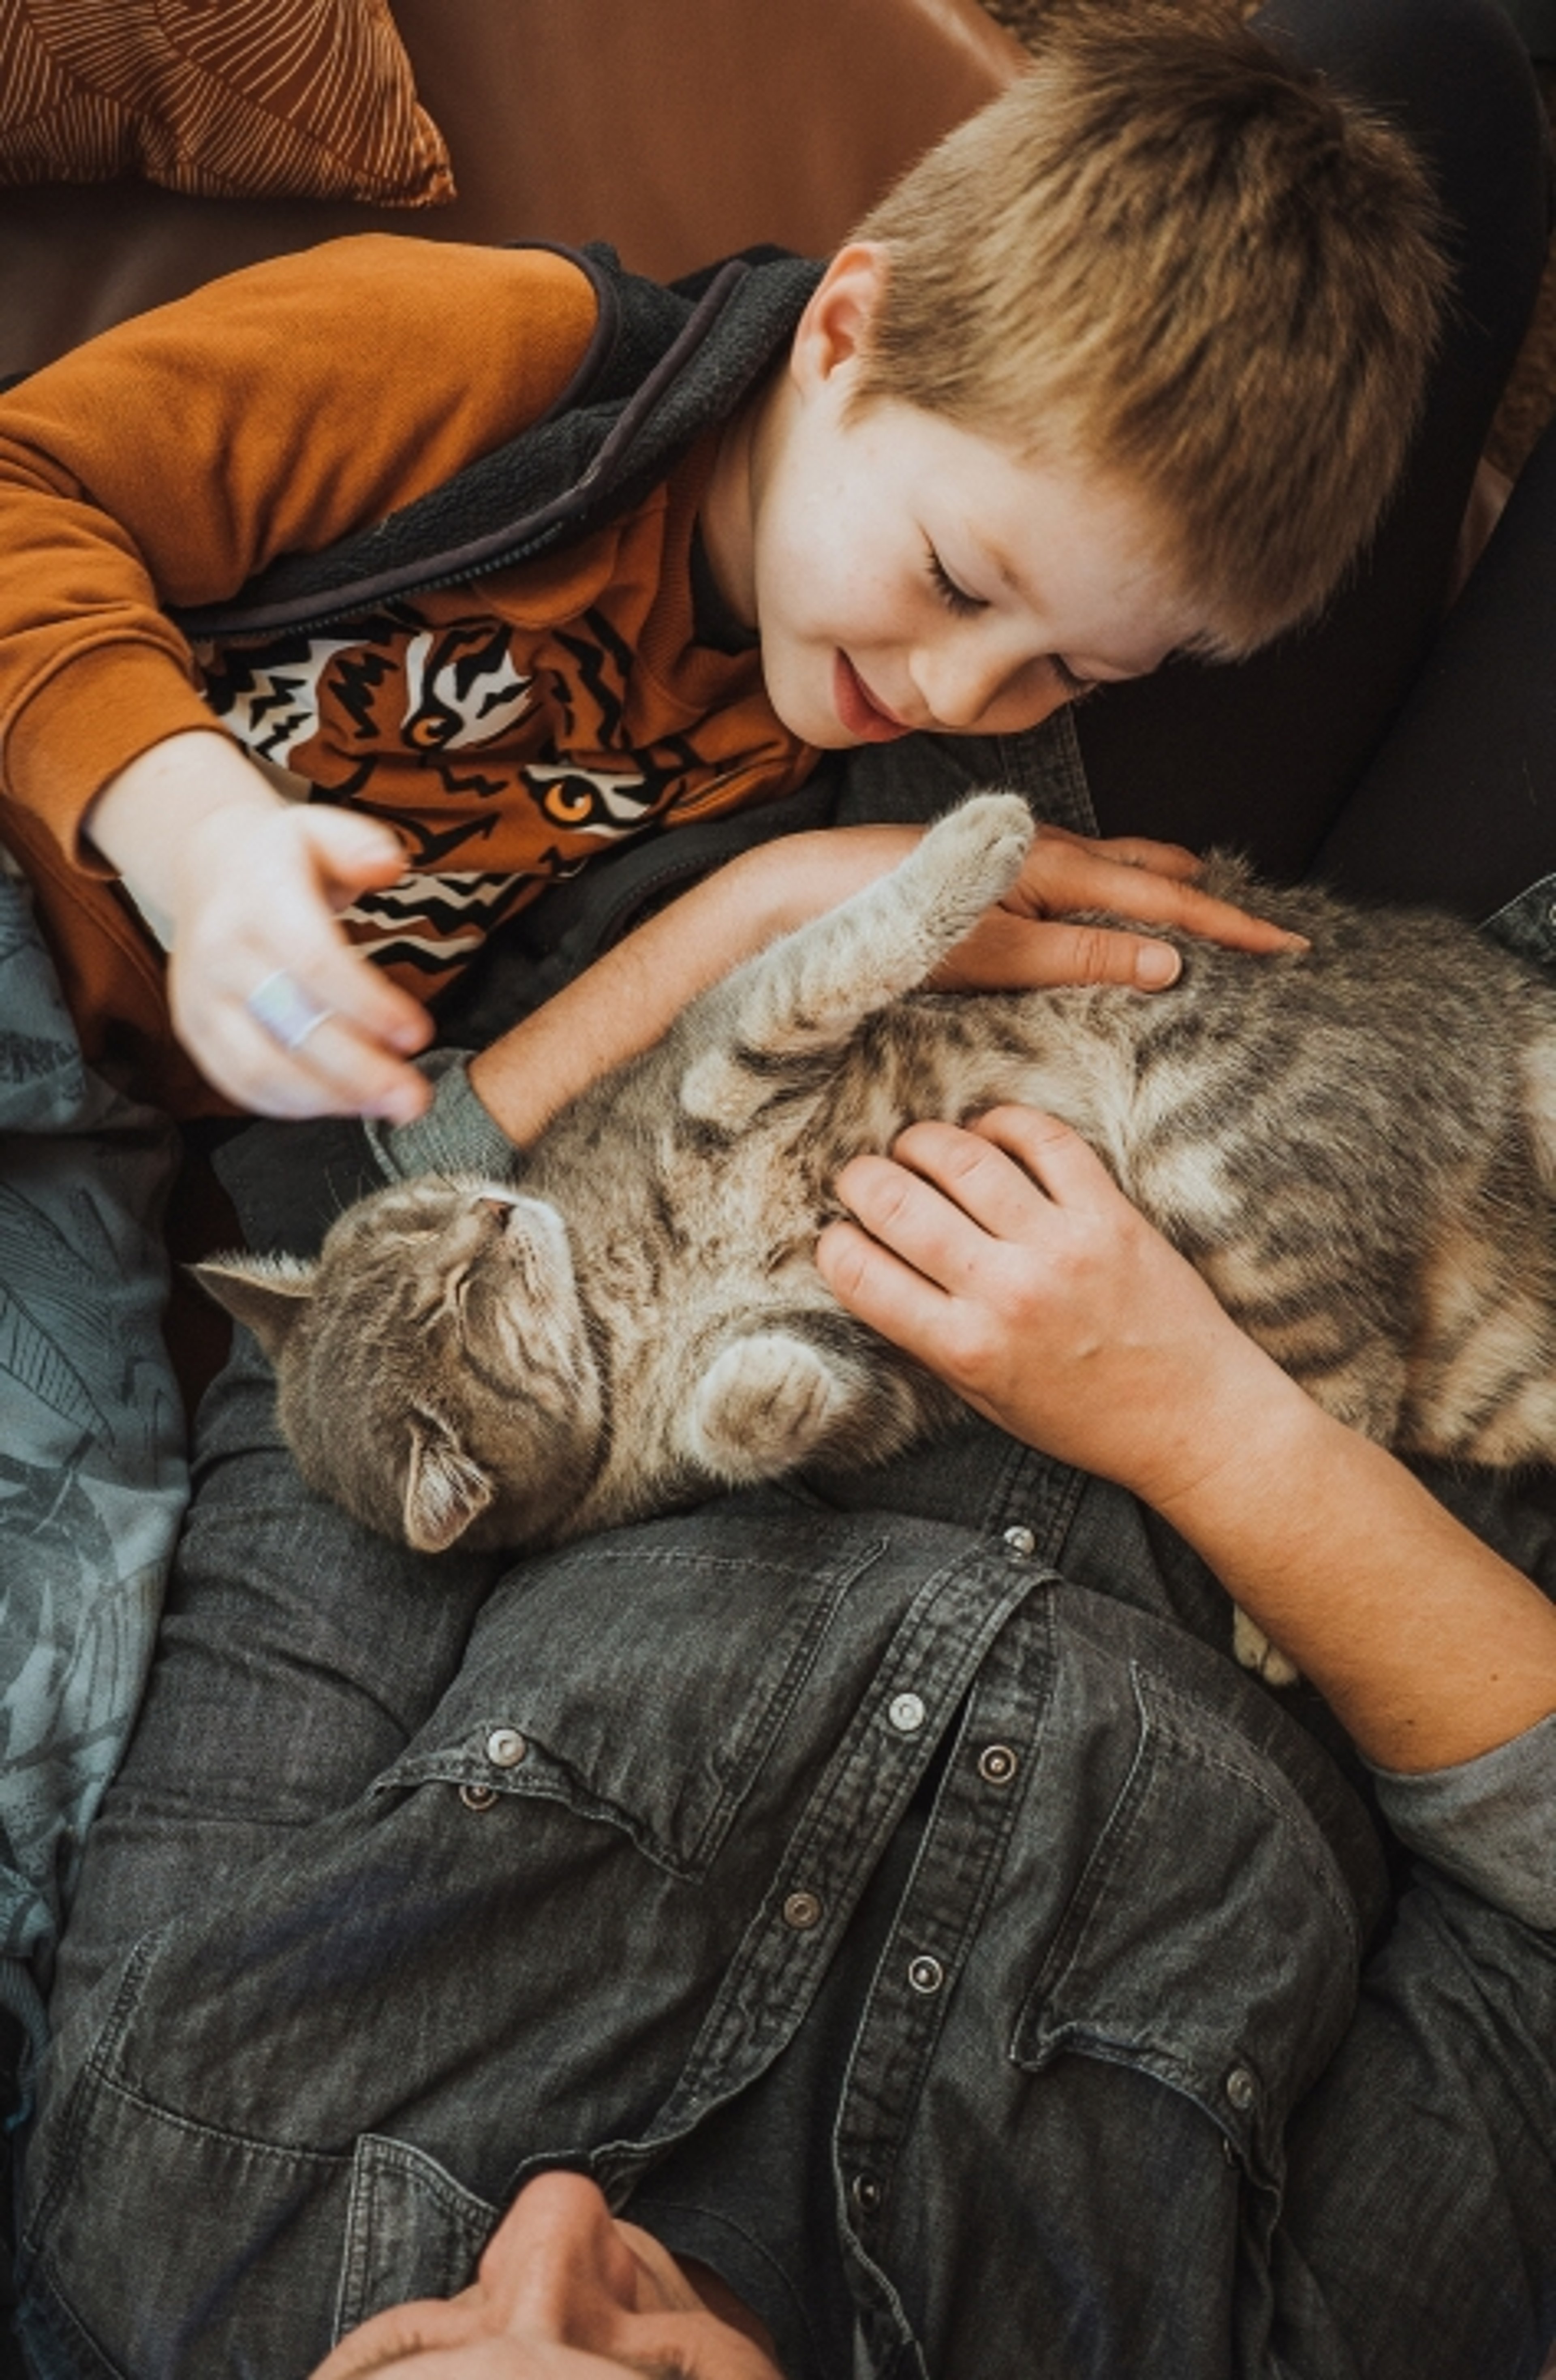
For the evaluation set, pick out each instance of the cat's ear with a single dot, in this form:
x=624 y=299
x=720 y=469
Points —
x=446 y=1489
x=269 y=1293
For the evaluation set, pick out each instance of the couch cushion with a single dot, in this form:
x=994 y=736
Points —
x=305 y=98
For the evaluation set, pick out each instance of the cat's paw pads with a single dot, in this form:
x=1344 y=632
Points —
x=981 y=846
x=1255 y=1651
x=766 y=1403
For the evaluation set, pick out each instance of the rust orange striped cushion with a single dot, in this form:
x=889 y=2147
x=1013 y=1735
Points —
x=222 y=97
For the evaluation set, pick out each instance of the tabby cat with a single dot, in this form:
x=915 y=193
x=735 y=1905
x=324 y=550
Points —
x=1356 y=1145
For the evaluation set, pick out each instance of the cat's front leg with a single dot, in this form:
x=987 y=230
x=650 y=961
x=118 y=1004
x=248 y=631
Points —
x=804 y=995
x=769 y=1402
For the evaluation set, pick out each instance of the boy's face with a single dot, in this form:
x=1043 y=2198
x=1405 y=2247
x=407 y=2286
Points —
x=906 y=573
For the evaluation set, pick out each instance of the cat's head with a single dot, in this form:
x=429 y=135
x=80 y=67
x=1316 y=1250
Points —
x=435 y=1372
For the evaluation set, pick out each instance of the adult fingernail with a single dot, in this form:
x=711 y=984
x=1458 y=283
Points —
x=1157 y=964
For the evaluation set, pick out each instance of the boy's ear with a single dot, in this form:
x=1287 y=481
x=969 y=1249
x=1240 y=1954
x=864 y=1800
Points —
x=834 y=328
x=269 y=1293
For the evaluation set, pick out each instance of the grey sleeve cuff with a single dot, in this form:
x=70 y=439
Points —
x=456 y=1136
x=1491 y=1823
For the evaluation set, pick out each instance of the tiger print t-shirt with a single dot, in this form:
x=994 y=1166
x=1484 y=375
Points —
x=513 y=728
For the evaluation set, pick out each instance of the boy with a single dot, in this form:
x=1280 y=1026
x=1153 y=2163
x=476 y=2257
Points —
x=1128 y=365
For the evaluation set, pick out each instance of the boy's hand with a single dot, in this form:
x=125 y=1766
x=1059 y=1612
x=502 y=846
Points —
x=266 y=994
x=1017 y=946
x=1005 y=1259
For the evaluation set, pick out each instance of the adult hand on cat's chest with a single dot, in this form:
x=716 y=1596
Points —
x=1022 y=945
x=1005 y=1259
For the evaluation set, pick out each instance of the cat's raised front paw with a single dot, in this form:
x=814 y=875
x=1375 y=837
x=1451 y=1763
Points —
x=766 y=1403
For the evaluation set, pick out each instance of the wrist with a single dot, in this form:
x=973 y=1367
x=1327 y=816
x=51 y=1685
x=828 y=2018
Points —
x=1227 y=1433
x=147 y=819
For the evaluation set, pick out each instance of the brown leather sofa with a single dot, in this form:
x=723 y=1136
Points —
x=680 y=130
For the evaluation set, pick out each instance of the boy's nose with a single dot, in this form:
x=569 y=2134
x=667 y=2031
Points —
x=962 y=686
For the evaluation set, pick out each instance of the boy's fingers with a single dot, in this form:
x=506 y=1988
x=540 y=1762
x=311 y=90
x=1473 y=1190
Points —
x=339 y=1068
x=347 y=855
x=333 y=1072
x=336 y=978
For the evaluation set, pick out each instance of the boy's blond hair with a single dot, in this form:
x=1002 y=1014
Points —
x=1167 y=254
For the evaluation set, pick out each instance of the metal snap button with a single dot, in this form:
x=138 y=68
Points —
x=505 y=1747
x=926 y=1975
x=478 y=1797
x=906 y=1714
x=997 y=1764
x=1021 y=1542
x=1241 y=2089
x=802 y=1910
x=865 y=2192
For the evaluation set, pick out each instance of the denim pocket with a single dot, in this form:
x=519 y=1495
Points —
x=1210 y=1940
x=644 y=1679
x=411 y=2231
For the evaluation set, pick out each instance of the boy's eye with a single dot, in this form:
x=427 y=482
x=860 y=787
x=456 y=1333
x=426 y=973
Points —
x=954 y=598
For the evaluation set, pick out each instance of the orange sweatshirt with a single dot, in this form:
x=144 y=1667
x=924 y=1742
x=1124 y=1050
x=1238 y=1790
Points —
x=509 y=728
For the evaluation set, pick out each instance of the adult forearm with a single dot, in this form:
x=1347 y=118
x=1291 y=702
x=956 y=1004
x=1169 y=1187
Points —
x=1430 y=1647
x=628 y=1000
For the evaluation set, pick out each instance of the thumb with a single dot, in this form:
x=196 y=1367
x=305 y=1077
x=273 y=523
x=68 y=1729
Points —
x=352 y=854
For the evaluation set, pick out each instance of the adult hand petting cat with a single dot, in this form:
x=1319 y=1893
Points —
x=1022 y=943
x=266 y=993
x=1007 y=1260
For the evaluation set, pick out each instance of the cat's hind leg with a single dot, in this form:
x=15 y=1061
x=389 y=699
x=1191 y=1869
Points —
x=807 y=993
x=773 y=1399
x=1255 y=1651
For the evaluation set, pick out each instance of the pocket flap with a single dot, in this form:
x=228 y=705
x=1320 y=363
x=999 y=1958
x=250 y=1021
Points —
x=1210 y=1940
x=411 y=2231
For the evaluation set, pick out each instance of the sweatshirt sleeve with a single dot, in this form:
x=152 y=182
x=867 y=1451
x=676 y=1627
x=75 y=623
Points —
x=271 y=412
x=1490 y=1823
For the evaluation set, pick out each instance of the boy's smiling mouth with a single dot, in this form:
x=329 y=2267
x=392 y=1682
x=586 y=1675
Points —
x=858 y=710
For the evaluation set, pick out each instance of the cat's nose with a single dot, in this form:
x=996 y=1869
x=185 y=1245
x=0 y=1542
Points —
x=499 y=1210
